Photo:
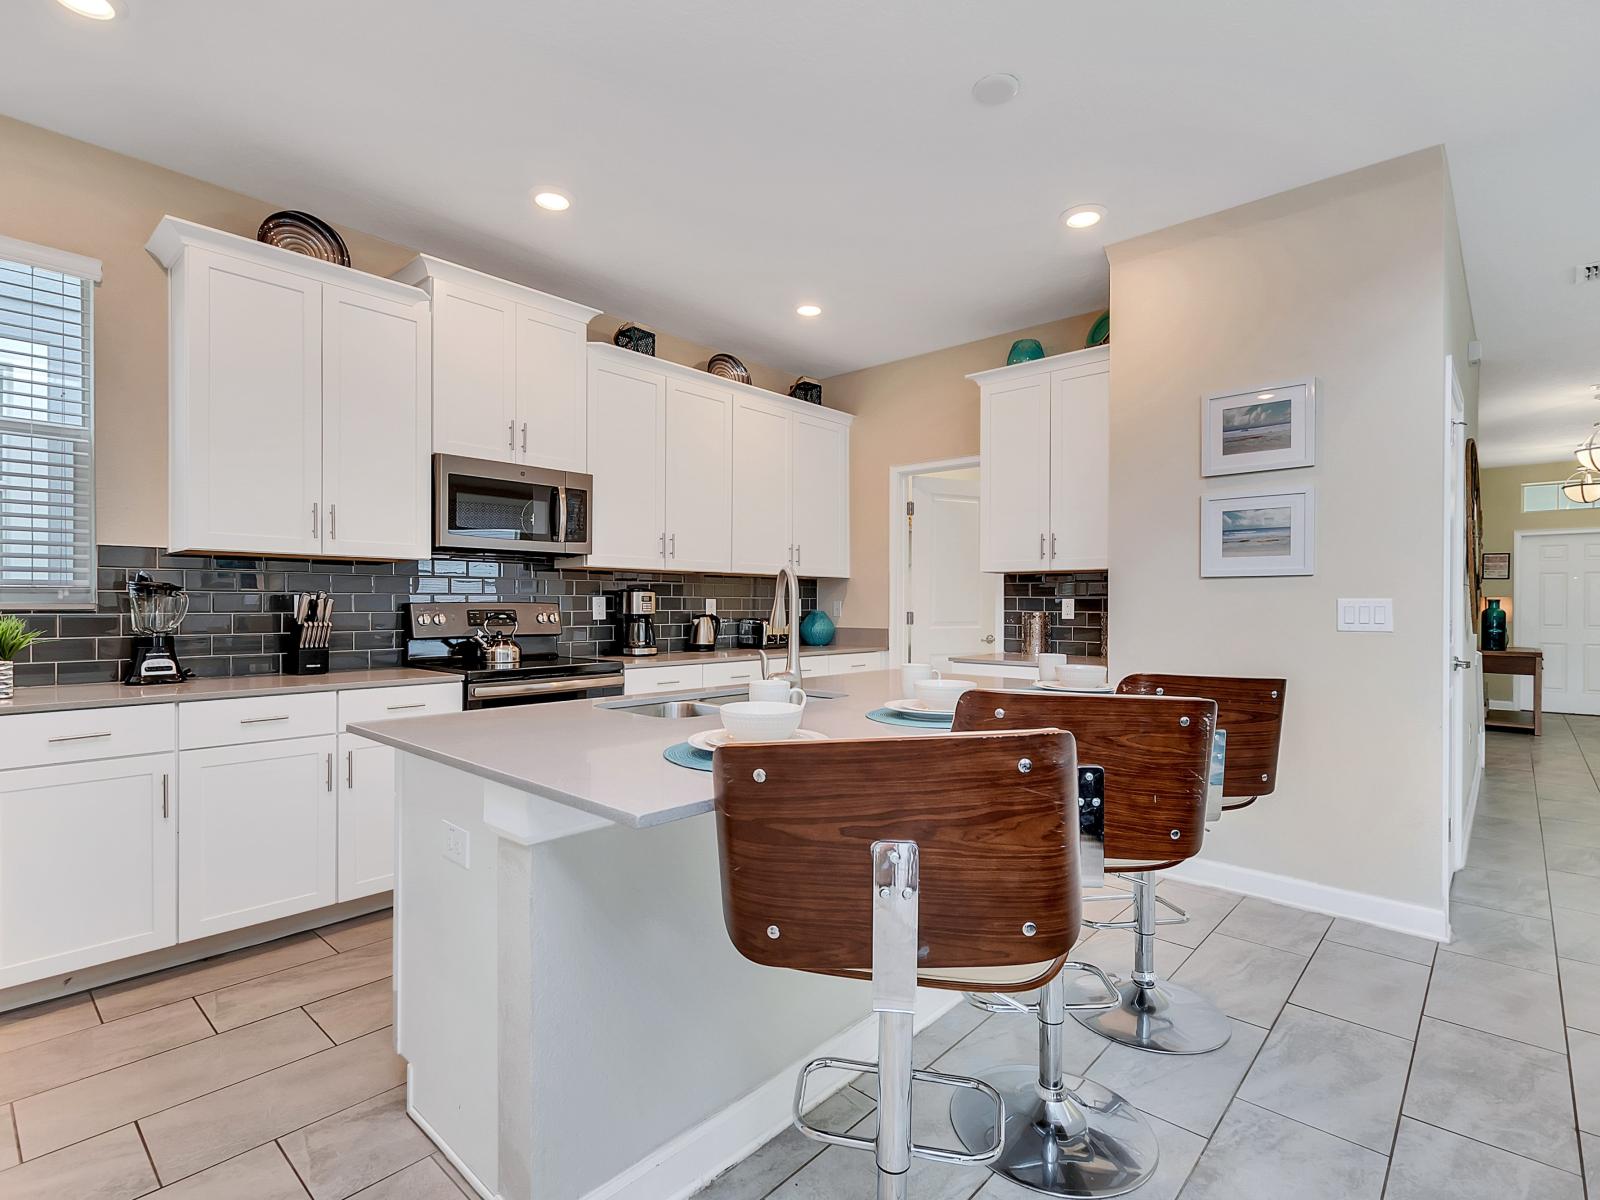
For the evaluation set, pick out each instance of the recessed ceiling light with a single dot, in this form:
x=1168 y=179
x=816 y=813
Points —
x=998 y=88
x=809 y=310
x=1263 y=395
x=550 y=201
x=1082 y=216
x=95 y=10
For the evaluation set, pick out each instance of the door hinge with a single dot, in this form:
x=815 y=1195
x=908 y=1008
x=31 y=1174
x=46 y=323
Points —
x=911 y=618
x=911 y=508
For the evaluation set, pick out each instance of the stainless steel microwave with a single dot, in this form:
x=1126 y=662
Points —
x=503 y=508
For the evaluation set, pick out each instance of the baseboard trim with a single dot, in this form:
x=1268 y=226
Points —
x=422 y=1123
x=1401 y=917
x=695 y=1157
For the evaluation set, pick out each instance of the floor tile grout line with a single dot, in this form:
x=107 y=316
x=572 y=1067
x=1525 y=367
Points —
x=277 y=1144
x=1499 y=962
x=1411 y=1066
x=145 y=1146
x=1561 y=994
x=297 y=966
x=16 y=1137
x=303 y=1005
x=1467 y=1137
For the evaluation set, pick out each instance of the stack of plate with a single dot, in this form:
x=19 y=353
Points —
x=709 y=739
x=919 y=709
x=1098 y=689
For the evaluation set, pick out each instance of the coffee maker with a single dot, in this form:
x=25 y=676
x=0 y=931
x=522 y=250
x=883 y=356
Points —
x=155 y=611
x=636 y=622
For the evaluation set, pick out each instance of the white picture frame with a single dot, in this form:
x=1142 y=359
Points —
x=1271 y=428
x=1258 y=532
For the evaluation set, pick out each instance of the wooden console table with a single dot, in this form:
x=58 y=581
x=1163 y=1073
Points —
x=1517 y=661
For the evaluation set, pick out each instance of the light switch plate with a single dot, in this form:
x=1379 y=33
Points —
x=597 y=608
x=1069 y=608
x=1369 y=615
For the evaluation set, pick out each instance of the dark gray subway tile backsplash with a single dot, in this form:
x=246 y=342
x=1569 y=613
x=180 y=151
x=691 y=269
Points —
x=1084 y=634
x=238 y=609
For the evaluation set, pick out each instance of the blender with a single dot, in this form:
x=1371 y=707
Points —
x=156 y=610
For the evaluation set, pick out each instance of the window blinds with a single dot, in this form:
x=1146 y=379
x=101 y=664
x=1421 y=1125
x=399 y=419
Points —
x=47 y=547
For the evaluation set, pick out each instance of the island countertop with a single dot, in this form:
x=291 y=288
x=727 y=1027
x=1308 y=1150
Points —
x=607 y=761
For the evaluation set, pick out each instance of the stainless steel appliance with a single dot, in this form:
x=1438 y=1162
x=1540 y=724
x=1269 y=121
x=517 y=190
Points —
x=503 y=508
x=755 y=633
x=469 y=640
x=636 y=622
x=155 y=611
x=703 y=631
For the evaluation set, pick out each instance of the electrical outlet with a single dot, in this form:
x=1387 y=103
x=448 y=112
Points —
x=597 y=608
x=711 y=607
x=1069 y=608
x=457 y=845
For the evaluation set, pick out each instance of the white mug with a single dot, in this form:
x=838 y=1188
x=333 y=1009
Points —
x=1048 y=664
x=941 y=695
x=912 y=674
x=776 y=690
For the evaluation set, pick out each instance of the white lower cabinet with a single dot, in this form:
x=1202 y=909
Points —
x=259 y=833
x=87 y=856
x=638 y=681
x=367 y=797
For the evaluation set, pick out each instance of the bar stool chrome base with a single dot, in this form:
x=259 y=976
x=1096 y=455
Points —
x=1092 y=1144
x=1162 y=1017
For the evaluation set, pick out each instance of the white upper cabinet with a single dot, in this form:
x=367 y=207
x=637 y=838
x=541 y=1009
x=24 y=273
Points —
x=762 y=491
x=627 y=432
x=820 y=472
x=509 y=379
x=285 y=373
x=1046 y=459
x=699 y=475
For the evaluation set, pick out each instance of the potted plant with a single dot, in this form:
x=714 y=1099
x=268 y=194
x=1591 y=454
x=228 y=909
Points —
x=15 y=637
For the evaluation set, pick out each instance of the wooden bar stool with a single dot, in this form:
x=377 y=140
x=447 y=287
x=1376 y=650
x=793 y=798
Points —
x=1154 y=755
x=1155 y=752
x=945 y=862
x=1250 y=710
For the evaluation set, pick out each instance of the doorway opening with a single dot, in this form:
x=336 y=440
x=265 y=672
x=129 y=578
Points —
x=940 y=604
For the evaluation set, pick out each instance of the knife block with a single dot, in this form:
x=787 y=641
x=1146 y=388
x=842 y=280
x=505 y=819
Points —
x=306 y=660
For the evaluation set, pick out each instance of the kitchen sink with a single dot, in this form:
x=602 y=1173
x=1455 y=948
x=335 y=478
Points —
x=695 y=706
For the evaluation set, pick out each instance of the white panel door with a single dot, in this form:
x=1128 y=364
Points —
x=1016 y=476
x=552 y=391
x=87 y=865
x=375 y=385
x=821 y=489
x=762 y=490
x=627 y=415
x=367 y=795
x=260 y=833
x=247 y=432
x=474 y=373
x=1080 y=470
x=1557 y=610
x=699 y=476
x=954 y=603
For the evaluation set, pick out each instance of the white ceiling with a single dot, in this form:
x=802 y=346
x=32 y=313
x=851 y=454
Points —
x=730 y=160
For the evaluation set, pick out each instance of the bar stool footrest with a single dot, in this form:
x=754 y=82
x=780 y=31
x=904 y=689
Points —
x=934 y=1153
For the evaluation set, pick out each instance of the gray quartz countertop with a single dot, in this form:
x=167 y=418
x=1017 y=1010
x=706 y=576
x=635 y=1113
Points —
x=66 y=696
x=608 y=761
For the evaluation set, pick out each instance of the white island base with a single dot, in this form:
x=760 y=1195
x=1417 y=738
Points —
x=576 y=1022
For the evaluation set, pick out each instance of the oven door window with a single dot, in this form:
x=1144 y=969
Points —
x=502 y=510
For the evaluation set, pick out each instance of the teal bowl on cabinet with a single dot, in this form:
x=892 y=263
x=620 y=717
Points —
x=816 y=628
x=1024 y=350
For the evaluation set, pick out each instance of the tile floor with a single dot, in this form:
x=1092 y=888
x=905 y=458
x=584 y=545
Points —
x=265 y=1074
x=1363 y=1064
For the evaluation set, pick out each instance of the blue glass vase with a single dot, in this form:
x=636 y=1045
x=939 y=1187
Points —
x=816 y=628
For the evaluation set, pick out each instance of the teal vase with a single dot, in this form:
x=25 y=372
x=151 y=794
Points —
x=1024 y=350
x=816 y=629
x=1494 y=626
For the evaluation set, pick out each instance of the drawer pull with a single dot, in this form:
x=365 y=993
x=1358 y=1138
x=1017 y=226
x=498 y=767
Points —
x=330 y=772
x=401 y=707
x=349 y=768
x=736 y=678
x=166 y=795
x=261 y=720
x=81 y=737
x=668 y=682
x=858 y=666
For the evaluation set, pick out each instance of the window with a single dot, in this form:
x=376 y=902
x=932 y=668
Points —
x=47 y=548
x=1548 y=497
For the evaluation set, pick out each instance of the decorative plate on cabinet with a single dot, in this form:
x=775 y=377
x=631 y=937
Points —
x=304 y=234
x=726 y=366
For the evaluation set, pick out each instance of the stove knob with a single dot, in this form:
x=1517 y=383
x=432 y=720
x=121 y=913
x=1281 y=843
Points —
x=545 y=618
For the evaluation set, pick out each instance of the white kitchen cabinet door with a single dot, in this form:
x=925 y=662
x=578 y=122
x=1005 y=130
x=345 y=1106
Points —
x=1015 y=497
x=627 y=414
x=376 y=441
x=821 y=491
x=552 y=391
x=367 y=796
x=1080 y=461
x=87 y=865
x=474 y=373
x=762 y=487
x=699 y=476
x=260 y=833
x=246 y=416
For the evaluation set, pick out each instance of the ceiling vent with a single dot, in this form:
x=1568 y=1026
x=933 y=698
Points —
x=1588 y=273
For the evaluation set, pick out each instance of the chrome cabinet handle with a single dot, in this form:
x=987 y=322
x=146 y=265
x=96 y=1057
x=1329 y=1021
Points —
x=261 y=720
x=673 y=552
x=403 y=707
x=81 y=737
x=797 y=554
x=349 y=768
x=1052 y=547
x=663 y=545
x=333 y=522
x=511 y=437
x=524 y=437
x=1041 y=547
x=315 y=530
x=330 y=772
x=166 y=796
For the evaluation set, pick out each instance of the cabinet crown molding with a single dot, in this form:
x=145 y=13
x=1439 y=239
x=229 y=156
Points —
x=1091 y=357
x=424 y=267
x=174 y=235
x=606 y=351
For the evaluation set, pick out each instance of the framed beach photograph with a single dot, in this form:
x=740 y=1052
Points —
x=1258 y=533
x=1263 y=429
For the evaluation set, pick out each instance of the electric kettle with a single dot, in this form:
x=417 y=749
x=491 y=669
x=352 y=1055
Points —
x=703 y=631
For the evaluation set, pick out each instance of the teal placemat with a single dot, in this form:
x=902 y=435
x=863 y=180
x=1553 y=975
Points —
x=888 y=716
x=685 y=755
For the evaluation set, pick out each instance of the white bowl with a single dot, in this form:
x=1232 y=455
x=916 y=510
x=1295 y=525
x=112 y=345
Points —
x=1077 y=675
x=761 y=720
x=941 y=694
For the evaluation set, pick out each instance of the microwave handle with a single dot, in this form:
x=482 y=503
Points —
x=561 y=514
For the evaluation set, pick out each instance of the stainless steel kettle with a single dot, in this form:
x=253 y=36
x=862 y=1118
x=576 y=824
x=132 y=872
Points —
x=498 y=646
x=703 y=631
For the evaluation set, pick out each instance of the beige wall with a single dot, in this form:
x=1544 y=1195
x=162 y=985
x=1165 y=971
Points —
x=74 y=196
x=1343 y=280
x=916 y=410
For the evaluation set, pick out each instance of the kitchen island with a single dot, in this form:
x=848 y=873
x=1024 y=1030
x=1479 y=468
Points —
x=576 y=1023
